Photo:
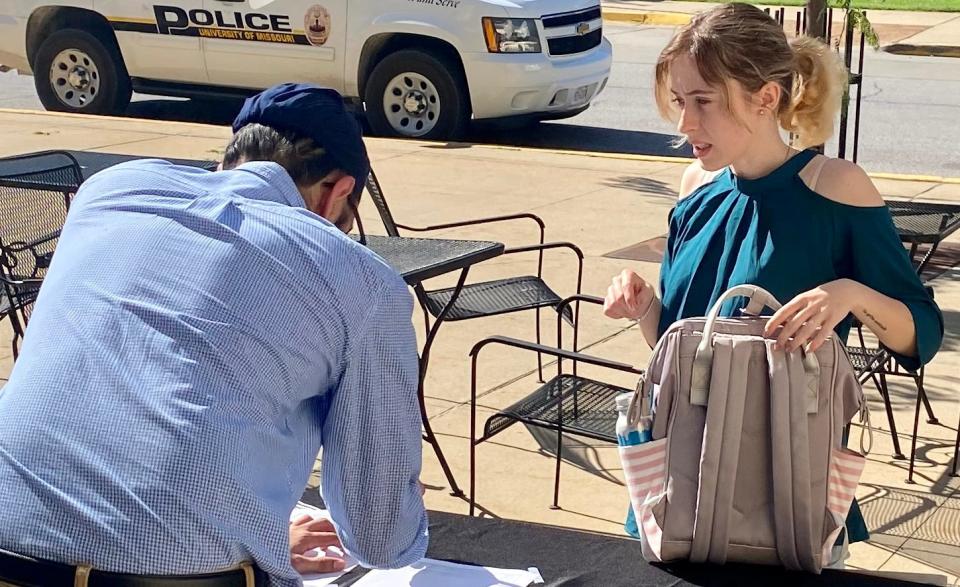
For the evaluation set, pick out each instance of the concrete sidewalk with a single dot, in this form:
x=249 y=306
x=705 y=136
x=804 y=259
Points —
x=604 y=204
x=902 y=32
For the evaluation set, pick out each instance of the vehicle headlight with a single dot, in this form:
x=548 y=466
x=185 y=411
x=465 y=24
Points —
x=511 y=35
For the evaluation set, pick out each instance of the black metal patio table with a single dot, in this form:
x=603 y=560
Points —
x=90 y=163
x=924 y=223
x=419 y=259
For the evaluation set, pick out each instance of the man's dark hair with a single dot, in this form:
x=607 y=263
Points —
x=303 y=160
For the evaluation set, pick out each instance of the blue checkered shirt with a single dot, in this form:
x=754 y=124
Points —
x=198 y=338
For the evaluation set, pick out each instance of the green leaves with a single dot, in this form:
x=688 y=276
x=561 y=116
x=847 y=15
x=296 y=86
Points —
x=860 y=22
x=858 y=17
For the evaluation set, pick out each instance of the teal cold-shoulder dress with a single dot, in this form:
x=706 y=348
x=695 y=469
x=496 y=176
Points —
x=777 y=233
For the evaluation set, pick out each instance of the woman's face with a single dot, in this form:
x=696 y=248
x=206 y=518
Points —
x=717 y=136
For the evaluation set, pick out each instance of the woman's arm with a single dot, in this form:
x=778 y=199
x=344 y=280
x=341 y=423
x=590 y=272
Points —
x=650 y=323
x=810 y=317
x=630 y=296
x=883 y=290
x=889 y=319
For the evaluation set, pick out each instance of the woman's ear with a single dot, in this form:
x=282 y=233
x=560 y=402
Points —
x=768 y=97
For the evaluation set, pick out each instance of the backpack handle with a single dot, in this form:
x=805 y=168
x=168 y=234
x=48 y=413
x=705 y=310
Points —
x=703 y=362
x=759 y=299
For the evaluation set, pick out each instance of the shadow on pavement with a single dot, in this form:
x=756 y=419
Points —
x=220 y=112
x=583 y=138
x=544 y=135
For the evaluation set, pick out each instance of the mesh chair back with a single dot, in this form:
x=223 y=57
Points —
x=35 y=194
x=376 y=194
x=923 y=219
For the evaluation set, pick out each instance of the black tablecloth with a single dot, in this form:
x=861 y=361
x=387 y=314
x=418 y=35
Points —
x=570 y=558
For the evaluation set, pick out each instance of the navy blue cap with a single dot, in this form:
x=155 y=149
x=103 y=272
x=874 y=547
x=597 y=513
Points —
x=314 y=112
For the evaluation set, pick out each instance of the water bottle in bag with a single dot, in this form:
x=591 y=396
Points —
x=627 y=434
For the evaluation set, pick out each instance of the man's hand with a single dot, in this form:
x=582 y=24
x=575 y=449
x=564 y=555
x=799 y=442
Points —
x=306 y=534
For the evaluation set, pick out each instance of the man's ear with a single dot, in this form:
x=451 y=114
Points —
x=337 y=196
x=344 y=187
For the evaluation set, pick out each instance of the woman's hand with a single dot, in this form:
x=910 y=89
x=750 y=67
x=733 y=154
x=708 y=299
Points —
x=808 y=319
x=308 y=533
x=629 y=296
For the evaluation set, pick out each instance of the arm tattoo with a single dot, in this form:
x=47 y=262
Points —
x=874 y=320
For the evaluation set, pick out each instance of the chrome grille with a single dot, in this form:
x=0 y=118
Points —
x=569 y=33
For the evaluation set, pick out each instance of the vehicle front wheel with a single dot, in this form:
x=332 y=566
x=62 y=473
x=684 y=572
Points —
x=416 y=94
x=75 y=71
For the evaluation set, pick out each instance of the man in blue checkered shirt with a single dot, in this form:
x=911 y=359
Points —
x=198 y=338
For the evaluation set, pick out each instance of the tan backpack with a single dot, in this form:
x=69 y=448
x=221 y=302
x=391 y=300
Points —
x=746 y=462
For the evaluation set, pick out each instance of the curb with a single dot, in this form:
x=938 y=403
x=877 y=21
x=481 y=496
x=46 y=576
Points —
x=647 y=17
x=591 y=154
x=656 y=18
x=910 y=177
x=923 y=50
x=95 y=117
x=687 y=160
x=568 y=152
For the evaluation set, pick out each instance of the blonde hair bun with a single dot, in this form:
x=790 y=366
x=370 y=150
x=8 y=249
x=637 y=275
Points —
x=817 y=92
x=737 y=41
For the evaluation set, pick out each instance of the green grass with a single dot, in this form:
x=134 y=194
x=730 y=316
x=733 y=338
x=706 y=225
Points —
x=922 y=5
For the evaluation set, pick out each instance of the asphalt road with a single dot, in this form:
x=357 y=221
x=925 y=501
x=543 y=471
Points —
x=910 y=117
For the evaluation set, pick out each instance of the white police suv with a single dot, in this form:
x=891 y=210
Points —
x=422 y=68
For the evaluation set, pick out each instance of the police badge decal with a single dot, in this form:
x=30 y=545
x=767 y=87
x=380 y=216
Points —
x=316 y=25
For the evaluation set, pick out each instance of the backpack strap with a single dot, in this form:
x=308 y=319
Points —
x=791 y=461
x=720 y=450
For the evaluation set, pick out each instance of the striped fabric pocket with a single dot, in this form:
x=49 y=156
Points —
x=645 y=473
x=846 y=467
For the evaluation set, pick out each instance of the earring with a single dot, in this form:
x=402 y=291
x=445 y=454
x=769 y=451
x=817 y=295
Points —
x=763 y=112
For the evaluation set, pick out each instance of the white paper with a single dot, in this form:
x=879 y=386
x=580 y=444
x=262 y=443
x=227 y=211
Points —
x=434 y=573
x=327 y=578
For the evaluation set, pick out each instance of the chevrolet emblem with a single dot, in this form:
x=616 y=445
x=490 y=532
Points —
x=583 y=28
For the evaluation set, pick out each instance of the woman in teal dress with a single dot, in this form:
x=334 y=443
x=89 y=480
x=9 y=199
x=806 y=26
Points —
x=812 y=230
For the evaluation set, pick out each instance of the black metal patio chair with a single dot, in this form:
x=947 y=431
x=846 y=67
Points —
x=33 y=208
x=487 y=298
x=567 y=403
x=924 y=223
x=875 y=363
x=956 y=452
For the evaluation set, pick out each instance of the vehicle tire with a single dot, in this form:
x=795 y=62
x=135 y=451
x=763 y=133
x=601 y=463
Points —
x=415 y=94
x=76 y=71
